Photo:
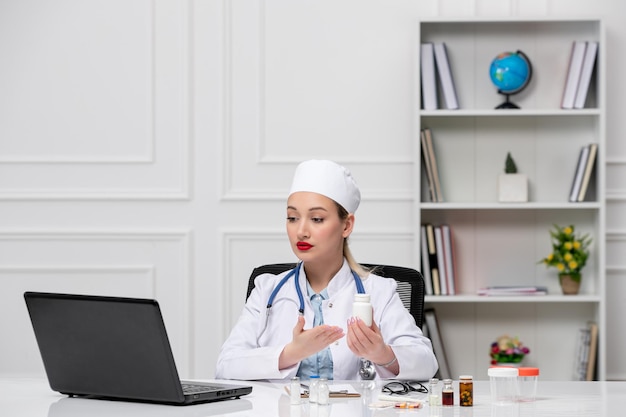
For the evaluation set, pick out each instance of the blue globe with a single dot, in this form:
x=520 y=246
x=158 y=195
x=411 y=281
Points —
x=510 y=72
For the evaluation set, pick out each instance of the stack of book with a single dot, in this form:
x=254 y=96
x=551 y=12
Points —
x=438 y=265
x=579 y=74
x=512 y=290
x=435 y=65
x=584 y=169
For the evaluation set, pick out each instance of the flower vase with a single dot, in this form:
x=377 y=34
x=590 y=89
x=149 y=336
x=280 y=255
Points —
x=570 y=285
x=509 y=364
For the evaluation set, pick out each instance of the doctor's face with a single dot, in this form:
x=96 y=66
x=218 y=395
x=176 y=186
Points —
x=315 y=229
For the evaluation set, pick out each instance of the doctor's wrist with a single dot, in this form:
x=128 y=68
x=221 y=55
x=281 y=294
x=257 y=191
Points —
x=389 y=362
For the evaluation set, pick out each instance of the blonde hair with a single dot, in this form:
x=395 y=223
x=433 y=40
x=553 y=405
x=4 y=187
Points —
x=360 y=270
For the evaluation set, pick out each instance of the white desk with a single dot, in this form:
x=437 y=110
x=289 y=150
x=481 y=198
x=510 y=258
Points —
x=33 y=398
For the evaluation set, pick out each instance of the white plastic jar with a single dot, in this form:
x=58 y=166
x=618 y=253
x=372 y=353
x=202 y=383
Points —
x=527 y=382
x=503 y=384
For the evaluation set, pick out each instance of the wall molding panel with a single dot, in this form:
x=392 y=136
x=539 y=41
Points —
x=152 y=264
x=132 y=141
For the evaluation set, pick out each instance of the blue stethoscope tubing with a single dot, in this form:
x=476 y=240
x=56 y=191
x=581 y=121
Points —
x=296 y=272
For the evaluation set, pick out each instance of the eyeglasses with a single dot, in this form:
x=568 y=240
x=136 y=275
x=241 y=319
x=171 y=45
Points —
x=404 y=387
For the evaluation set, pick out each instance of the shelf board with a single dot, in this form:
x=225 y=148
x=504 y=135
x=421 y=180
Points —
x=468 y=298
x=511 y=206
x=509 y=113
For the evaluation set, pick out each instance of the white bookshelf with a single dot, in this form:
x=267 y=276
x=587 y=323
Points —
x=501 y=243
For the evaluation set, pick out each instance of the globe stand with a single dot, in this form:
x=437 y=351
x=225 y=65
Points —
x=507 y=104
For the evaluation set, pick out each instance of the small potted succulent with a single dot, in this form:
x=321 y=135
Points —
x=512 y=186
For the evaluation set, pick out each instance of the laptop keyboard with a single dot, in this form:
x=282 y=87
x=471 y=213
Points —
x=194 y=389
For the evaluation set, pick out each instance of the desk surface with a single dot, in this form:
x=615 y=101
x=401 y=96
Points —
x=33 y=398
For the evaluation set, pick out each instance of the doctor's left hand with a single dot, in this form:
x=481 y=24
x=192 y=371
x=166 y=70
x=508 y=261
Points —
x=307 y=342
x=367 y=342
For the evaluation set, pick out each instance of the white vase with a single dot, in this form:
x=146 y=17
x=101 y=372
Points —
x=513 y=188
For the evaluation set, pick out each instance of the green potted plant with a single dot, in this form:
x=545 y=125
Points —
x=512 y=186
x=569 y=256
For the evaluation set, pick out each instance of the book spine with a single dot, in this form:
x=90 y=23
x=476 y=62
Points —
x=578 y=175
x=450 y=261
x=445 y=76
x=441 y=261
x=428 y=283
x=573 y=75
x=427 y=167
x=432 y=258
x=428 y=78
x=585 y=75
x=593 y=150
x=433 y=164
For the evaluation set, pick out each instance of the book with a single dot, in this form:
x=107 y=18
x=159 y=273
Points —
x=433 y=163
x=582 y=349
x=428 y=283
x=578 y=175
x=512 y=290
x=449 y=257
x=427 y=167
x=592 y=351
x=435 y=337
x=432 y=258
x=585 y=76
x=577 y=56
x=584 y=185
x=428 y=77
x=441 y=261
x=445 y=76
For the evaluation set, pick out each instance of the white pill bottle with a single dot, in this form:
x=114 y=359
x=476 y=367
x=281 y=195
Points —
x=362 y=308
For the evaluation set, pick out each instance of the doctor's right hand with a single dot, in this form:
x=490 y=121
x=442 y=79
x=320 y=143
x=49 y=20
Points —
x=307 y=342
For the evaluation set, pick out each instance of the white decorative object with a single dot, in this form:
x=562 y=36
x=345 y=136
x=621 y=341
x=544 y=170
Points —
x=513 y=188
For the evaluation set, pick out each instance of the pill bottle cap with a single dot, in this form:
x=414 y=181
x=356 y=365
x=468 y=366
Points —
x=363 y=298
x=528 y=371
x=502 y=372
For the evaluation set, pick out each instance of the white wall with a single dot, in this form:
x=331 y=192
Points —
x=146 y=147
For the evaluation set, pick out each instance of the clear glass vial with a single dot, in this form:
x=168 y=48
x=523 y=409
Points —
x=447 y=393
x=323 y=392
x=434 y=392
x=313 y=390
x=294 y=390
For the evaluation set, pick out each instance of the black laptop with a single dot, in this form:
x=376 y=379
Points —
x=113 y=348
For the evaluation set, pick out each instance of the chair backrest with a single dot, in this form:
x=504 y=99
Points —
x=410 y=284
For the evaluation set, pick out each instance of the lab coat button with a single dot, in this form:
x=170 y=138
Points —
x=330 y=305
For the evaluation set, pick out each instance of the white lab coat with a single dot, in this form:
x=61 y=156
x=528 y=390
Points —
x=254 y=345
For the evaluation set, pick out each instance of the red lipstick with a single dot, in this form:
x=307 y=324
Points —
x=304 y=245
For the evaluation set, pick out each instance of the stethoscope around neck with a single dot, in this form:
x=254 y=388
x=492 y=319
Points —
x=366 y=370
x=296 y=274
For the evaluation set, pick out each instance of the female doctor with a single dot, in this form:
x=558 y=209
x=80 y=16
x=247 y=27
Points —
x=300 y=322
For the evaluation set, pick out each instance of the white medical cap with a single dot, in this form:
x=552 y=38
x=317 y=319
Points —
x=328 y=179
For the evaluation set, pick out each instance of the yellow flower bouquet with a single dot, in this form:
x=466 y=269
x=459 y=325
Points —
x=569 y=252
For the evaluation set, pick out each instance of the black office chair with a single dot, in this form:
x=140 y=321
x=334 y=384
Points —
x=410 y=284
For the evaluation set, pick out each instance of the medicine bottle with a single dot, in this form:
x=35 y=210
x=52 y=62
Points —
x=323 y=391
x=466 y=391
x=313 y=390
x=447 y=393
x=434 y=392
x=362 y=308
x=294 y=390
